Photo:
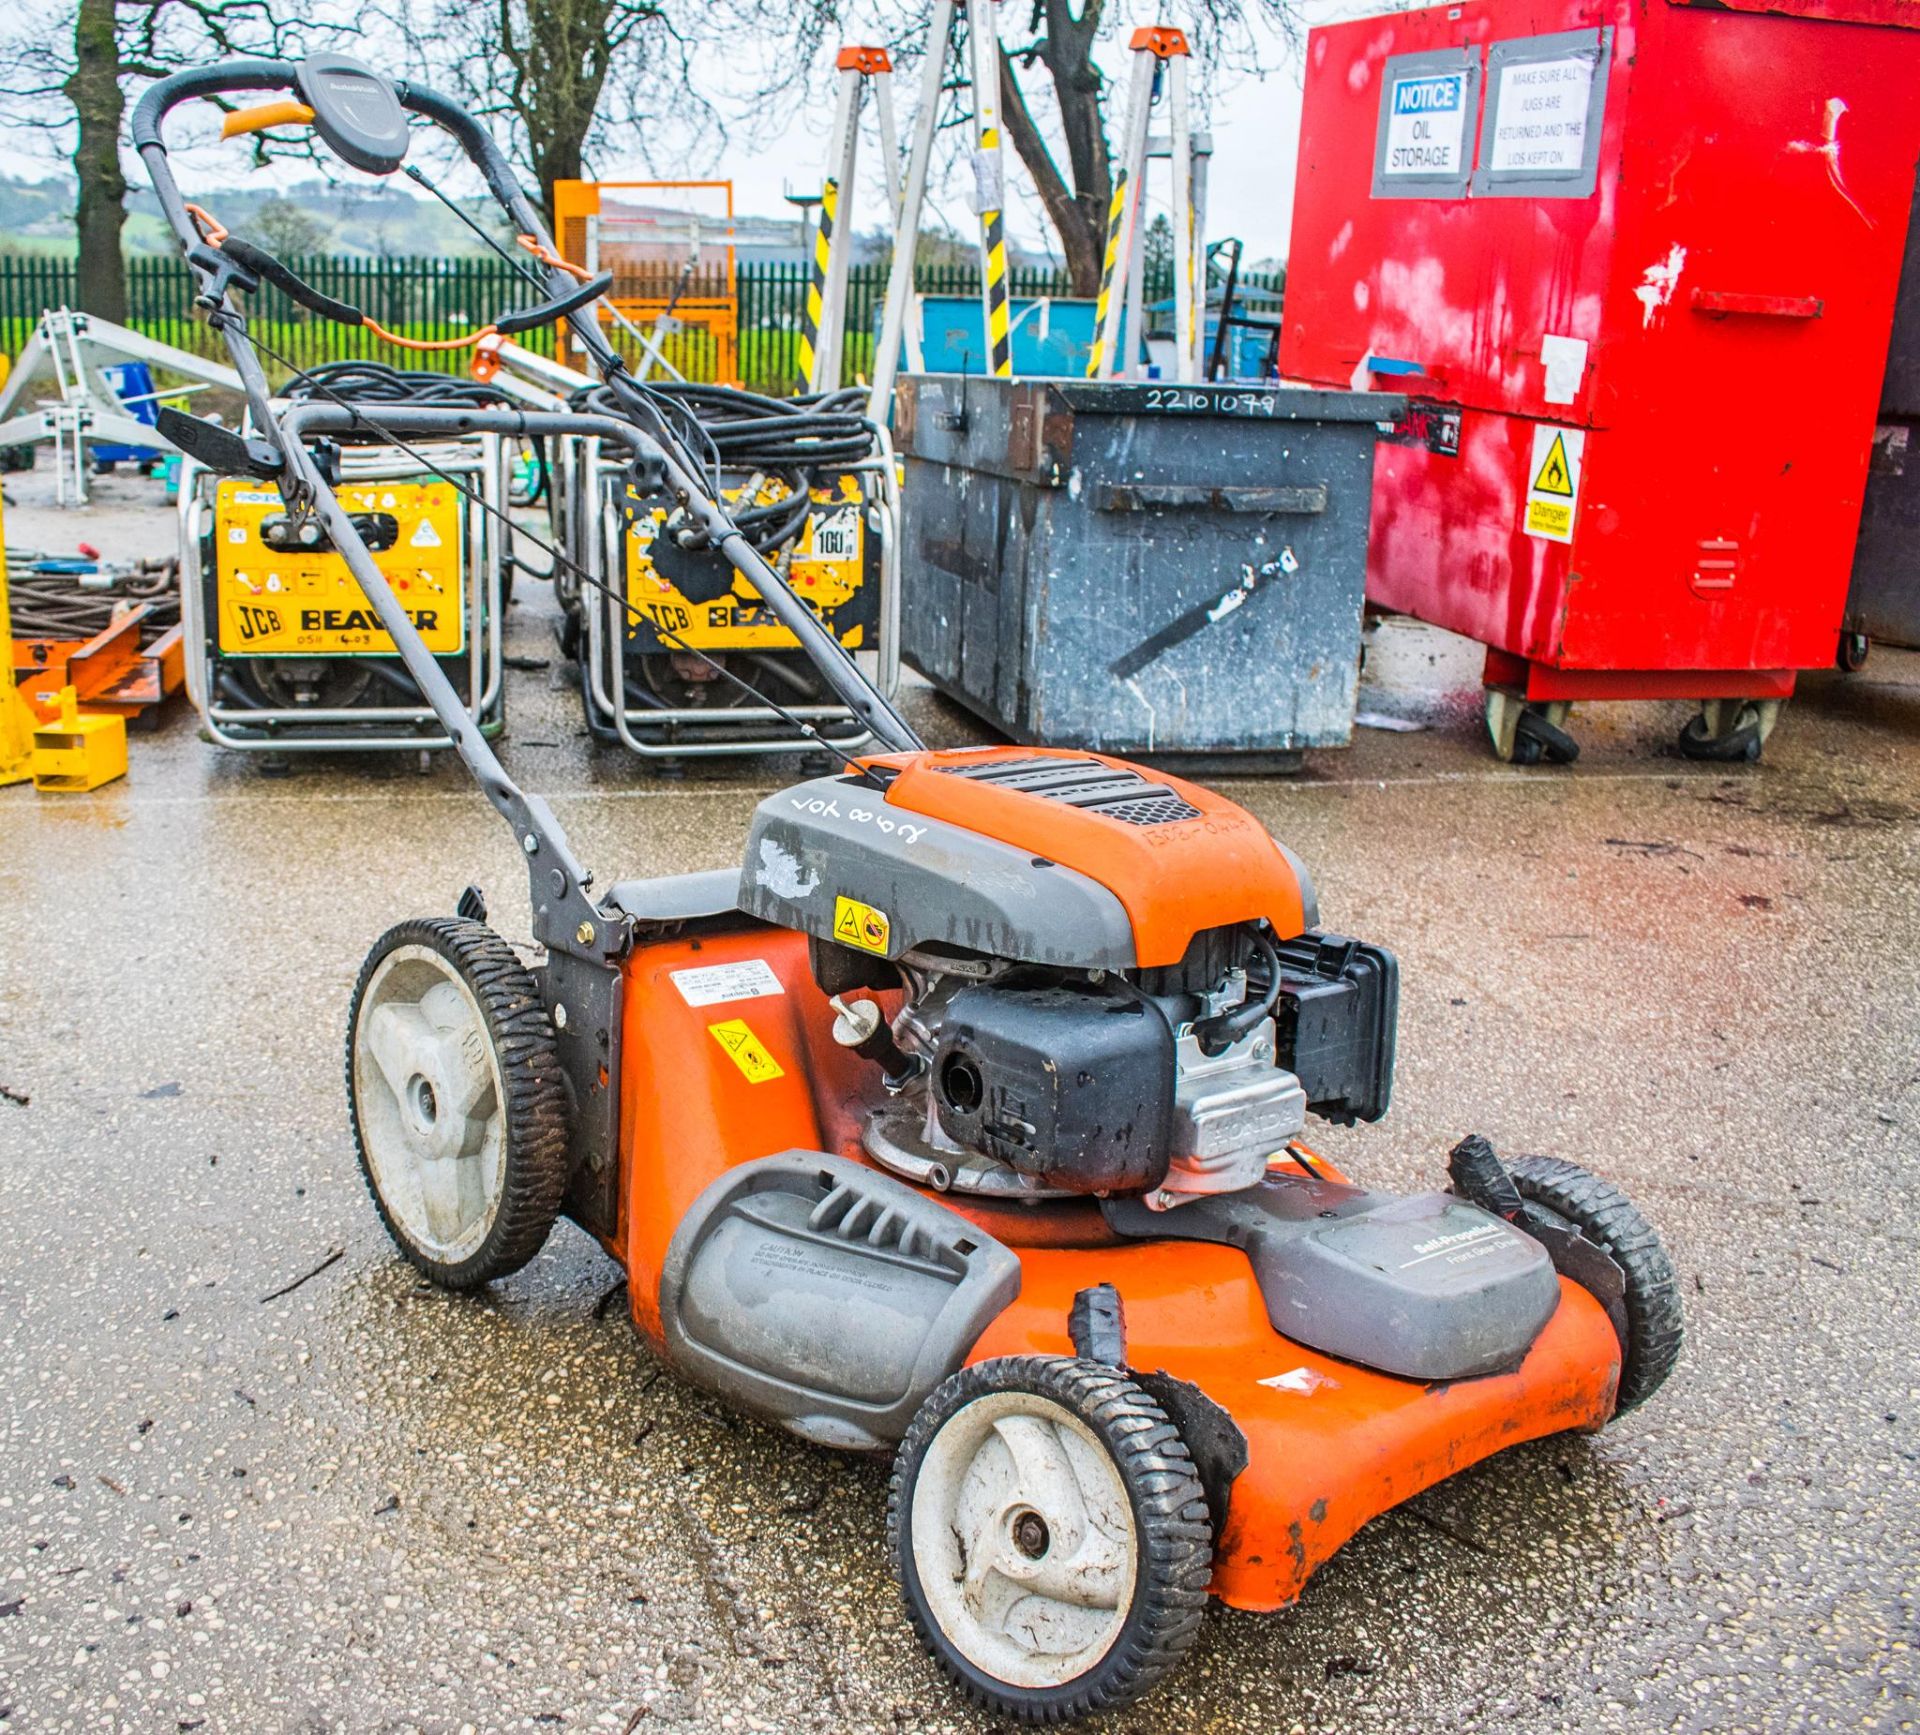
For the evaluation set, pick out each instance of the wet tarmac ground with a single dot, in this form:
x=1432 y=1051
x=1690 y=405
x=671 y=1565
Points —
x=257 y=1477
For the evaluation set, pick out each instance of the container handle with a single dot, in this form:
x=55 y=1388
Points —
x=1719 y=303
x=1173 y=496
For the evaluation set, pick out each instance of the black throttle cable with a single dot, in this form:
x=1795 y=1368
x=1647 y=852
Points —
x=1224 y=1029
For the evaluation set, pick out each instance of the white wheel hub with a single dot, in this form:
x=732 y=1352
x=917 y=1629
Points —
x=428 y=1087
x=1024 y=1539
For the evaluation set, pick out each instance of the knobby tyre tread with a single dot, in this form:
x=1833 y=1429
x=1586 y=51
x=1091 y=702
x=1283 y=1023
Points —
x=1609 y=1219
x=533 y=1086
x=1172 y=1525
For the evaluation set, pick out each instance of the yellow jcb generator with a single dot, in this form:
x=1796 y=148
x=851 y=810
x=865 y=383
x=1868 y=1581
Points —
x=284 y=652
x=675 y=655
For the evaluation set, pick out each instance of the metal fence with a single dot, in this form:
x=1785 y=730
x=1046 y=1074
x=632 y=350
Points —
x=438 y=298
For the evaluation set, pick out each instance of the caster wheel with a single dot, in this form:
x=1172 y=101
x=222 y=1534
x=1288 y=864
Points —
x=458 y=1106
x=1539 y=731
x=1571 y=1197
x=1051 y=1536
x=1527 y=734
x=1855 y=648
x=1729 y=731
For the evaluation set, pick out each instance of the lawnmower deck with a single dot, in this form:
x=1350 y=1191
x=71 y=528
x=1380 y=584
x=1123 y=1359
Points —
x=1330 y=1444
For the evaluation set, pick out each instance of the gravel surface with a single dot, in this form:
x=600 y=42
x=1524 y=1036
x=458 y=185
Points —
x=361 y=1504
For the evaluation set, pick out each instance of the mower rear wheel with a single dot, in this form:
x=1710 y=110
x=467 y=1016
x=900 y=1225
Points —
x=456 y=1095
x=1051 y=1536
x=1575 y=1198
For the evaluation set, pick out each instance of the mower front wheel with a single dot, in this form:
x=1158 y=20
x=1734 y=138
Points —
x=1575 y=1198
x=457 y=1099
x=1051 y=1536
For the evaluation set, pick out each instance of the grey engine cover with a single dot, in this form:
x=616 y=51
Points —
x=832 y=837
x=1427 y=1287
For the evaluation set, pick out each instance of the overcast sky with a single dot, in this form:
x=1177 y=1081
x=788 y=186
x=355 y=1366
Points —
x=1254 y=121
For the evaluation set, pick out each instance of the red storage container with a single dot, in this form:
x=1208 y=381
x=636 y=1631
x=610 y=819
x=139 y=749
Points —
x=1636 y=265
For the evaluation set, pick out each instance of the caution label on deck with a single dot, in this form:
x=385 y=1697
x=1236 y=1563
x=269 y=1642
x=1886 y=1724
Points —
x=746 y=1050
x=1553 y=482
x=858 y=924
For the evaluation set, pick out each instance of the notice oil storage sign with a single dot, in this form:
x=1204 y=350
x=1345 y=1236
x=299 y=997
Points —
x=1429 y=107
x=1426 y=125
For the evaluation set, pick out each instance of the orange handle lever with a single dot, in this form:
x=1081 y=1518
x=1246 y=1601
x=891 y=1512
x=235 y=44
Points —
x=263 y=115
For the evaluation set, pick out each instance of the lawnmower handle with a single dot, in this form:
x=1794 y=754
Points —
x=827 y=654
x=231 y=76
x=264 y=115
x=177 y=87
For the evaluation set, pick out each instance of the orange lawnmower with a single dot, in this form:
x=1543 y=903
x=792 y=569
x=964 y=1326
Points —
x=962 y=1120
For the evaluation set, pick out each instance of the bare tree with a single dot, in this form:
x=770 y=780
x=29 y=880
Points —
x=572 y=77
x=287 y=229
x=75 y=73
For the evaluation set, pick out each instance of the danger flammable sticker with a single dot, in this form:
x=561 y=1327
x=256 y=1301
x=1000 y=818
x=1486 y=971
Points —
x=746 y=1050
x=1553 y=482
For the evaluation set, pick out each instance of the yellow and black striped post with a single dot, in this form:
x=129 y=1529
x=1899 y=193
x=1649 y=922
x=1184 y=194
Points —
x=990 y=183
x=1116 y=221
x=1123 y=218
x=817 y=287
x=993 y=238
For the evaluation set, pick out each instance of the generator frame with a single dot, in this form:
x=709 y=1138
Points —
x=357 y=728
x=595 y=536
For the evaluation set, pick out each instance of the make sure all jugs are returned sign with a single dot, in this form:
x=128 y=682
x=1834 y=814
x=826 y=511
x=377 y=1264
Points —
x=283 y=590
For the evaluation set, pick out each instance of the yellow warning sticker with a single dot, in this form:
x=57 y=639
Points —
x=1553 y=482
x=858 y=924
x=1553 y=476
x=746 y=1050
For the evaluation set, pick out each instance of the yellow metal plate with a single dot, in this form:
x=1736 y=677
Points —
x=278 y=603
x=827 y=572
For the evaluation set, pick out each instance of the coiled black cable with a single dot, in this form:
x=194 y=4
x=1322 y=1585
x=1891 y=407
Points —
x=750 y=431
x=375 y=382
x=801 y=442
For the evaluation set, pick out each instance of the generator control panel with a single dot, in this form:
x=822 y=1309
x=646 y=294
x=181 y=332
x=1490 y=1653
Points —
x=831 y=564
x=282 y=589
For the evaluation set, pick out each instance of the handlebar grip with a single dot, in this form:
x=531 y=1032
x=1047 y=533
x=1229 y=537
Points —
x=526 y=318
x=262 y=115
x=263 y=264
x=179 y=87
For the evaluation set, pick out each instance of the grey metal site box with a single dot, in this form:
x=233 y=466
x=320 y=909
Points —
x=1149 y=569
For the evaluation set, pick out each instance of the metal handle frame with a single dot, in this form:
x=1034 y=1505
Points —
x=565 y=918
